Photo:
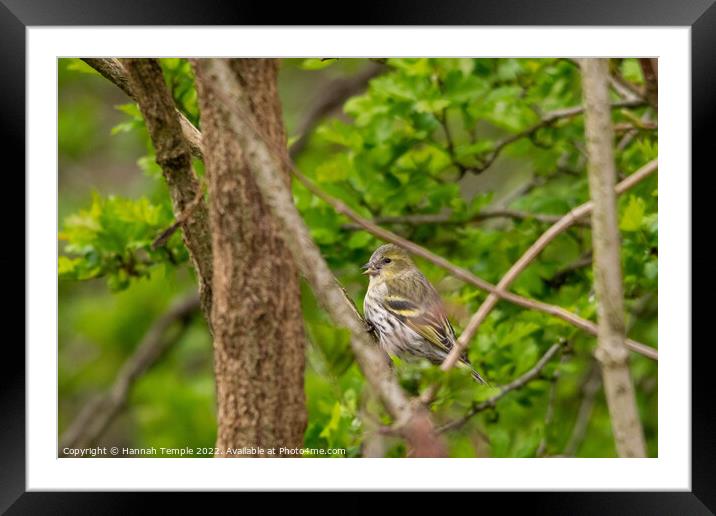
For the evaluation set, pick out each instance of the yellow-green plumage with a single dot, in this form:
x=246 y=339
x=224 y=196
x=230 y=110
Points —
x=405 y=310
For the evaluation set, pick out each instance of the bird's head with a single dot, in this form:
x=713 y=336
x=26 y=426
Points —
x=387 y=261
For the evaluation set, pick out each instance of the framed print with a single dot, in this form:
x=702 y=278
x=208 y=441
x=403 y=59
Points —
x=433 y=252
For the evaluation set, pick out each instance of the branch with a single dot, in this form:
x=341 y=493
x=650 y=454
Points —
x=529 y=256
x=96 y=416
x=446 y=219
x=412 y=418
x=113 y=70
x=611 y=350
x=332 y=96
x=516 y=384
x=649 y=68
x=146 y=82
x=547 y=120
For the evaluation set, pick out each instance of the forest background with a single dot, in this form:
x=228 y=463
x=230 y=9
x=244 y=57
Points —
x=472 y=159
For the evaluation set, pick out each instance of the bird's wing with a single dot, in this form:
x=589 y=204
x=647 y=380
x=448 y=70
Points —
x=420 y=308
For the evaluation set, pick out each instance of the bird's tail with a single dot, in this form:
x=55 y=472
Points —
x=475 y=375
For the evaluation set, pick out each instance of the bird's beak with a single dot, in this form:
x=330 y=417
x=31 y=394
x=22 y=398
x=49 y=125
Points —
x=367 y=268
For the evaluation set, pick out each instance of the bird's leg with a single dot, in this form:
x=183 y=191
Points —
x=371 y=329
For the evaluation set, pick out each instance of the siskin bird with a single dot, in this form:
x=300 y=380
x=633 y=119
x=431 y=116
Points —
x=405 y=311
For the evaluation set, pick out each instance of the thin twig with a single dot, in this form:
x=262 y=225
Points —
x=180 y=221
x=559 y=277
x=547 y=120
x=96 y=416
x=447 y=219
x=549 y=411
x=515 y=384
x=590 y=388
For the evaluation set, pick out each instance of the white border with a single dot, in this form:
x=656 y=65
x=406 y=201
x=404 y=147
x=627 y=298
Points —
x=671 y=470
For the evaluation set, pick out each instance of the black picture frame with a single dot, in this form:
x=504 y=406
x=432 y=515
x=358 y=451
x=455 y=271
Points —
x=17 y=15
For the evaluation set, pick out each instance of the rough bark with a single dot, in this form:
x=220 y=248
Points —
x=146 y=84
x=259 y=338
x=611 y=350
x=268 y=163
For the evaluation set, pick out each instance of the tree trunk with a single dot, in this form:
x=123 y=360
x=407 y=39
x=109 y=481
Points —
x=258 y=324
x=611 y=351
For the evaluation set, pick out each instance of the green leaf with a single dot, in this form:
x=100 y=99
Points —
x=359 y=240
x=333 y=423
x=336 y=131
x=77 y=65
x=338 y=168
x=433 y=106
x=631 y=70
x=150 y=167
x=520 y=330
x=136 y=121
x=66 y=267
x=317 y=64
x=633 y=214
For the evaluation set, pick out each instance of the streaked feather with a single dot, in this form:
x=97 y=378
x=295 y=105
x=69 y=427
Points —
x=406 y=311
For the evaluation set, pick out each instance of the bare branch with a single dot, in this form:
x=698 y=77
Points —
x=146 y=81
x=532 y=253
x=611 y=350
x=96 y=416
x=113 y=70
x=446 y=218
x=412 y=418
x=516 y=384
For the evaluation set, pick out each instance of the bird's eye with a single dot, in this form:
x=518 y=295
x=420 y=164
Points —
x=386 y=260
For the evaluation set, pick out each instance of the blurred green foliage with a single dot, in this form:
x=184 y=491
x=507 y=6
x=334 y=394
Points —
x=418 y=141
